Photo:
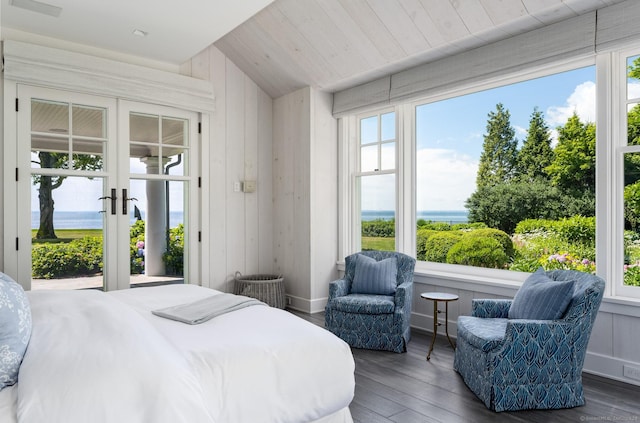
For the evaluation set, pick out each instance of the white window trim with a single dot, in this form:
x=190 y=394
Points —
x=608 y=191
x=36 y=65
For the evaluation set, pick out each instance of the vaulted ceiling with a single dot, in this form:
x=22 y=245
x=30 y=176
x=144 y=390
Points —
x=287 y=44
x=335 y=44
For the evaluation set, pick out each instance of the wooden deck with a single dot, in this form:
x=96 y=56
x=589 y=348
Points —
x=405 y=388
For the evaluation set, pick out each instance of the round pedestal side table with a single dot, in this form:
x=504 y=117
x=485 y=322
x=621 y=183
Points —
x=436 y=297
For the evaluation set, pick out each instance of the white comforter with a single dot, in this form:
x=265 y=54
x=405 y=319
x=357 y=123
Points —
x=257 y=364
x=96 y=357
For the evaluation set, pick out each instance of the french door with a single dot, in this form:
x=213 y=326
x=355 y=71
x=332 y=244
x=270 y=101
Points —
x=106 y=195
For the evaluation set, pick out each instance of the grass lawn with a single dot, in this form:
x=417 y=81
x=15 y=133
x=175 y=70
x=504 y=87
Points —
x=378 y=243
x=66 y=235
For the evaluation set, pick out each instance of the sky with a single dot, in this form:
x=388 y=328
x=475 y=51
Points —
x=449 y=135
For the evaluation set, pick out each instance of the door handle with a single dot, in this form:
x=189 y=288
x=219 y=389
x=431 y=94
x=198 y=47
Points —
x=113 y=199
x=124 y=201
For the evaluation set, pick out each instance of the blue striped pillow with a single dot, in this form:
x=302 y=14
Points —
x=541 y=298
x=375 y=277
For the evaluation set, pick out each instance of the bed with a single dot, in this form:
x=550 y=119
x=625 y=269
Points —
x=104 y=357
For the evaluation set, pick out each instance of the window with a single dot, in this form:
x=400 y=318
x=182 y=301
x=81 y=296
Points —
x=629 y=157
x=376 y=181
x=505 y=178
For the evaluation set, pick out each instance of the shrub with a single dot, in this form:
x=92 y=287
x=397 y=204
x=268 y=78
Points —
x=436 y=226
x=422 y=236
x=478 y=251
x=467 y=226
x=528 y=226
x=136 y=247
x=174 y=256
x=79 y=257
x=498 y=235
x=379 y=228
x=438 y=245
x=577 y=229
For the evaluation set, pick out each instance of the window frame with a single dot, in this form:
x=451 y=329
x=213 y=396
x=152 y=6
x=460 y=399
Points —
x=354 y=170
x=406 y=174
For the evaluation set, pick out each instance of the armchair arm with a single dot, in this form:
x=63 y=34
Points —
x=490 y=308
x=536 y=337
x=338 y=288
x=401 y=294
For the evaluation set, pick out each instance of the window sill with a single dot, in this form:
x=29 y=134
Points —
x=497 y=282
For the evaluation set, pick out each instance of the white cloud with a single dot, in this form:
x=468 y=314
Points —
x=521 y=133
x=444 y=178
x=634 y=89
x=582 y=101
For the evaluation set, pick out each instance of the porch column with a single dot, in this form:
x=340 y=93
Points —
x=155 y=241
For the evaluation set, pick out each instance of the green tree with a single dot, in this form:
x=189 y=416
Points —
x=503 y=206
x=536 y=153
x=46 y=184
x=499 y=150
x=573 y=168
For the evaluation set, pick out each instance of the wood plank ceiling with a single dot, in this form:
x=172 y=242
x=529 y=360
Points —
x=336 y=44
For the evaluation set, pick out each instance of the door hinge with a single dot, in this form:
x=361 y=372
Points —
x=199 y=127
x=17 y=101
x=199 y=181
x=16 y=174
x=199 y=236
x=17 y=243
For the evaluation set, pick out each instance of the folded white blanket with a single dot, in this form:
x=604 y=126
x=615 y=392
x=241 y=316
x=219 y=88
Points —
x=206 y=309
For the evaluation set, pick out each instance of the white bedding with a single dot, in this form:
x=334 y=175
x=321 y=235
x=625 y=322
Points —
x=105 y=358
x=257 y=364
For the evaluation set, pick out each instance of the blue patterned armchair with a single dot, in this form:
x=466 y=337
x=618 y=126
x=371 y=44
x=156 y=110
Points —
x=519 y=364
x=372 y=321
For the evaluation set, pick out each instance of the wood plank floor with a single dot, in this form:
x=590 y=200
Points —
x=405 y=388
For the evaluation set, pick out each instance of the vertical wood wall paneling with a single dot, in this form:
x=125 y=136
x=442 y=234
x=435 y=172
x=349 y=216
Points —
x=252 y=239
x=219 y=181
x=324 y=198
x=265 y=183
x=235 y=170
x=302 y=192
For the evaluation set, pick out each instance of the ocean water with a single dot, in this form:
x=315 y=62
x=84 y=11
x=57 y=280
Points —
x=90 y=220
x=448 y=216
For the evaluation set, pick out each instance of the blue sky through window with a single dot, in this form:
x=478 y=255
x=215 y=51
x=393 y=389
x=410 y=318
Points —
x=449 y=134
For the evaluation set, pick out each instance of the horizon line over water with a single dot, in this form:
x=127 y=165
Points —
x=449 y=216
x=91 y=219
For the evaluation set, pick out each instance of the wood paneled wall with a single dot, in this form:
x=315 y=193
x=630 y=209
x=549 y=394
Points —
x=305 y=195
x=239 y=226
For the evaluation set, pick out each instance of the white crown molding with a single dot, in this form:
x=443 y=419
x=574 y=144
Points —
x=45 y=66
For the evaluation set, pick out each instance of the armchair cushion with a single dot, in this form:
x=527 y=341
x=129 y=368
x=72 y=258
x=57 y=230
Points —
x=365 y=304
x=375 y=277
x=541 y=298
x=484 y=334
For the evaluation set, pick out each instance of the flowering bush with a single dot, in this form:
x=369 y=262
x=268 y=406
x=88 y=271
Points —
x=136 y=249
x=632 y=274
x=568 y=262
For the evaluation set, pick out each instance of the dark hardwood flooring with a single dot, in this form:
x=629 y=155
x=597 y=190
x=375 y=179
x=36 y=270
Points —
x=406 y=388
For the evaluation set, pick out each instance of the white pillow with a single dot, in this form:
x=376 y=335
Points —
x=15 y=329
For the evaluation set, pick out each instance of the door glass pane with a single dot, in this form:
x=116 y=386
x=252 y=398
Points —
x=67 y=225
x=174 y=131
x=89 y=121
x=157 y=231
x=144 y=128
x=377 y=206
x=49 y=117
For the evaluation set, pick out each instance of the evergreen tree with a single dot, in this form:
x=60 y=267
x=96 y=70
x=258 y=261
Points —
x=536 y=153
x=573 y=168
x=499 y=155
